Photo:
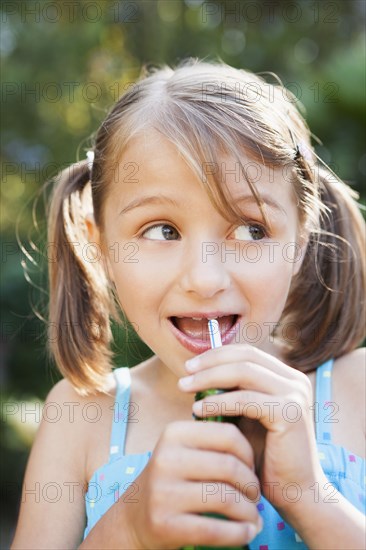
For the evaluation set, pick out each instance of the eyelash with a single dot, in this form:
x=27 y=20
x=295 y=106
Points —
x=246 y=224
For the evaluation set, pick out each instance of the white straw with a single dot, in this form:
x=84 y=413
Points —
x=214 y=331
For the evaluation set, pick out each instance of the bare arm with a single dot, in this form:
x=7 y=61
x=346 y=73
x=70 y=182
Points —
x=334 y=523
x=52 y=512
x=115 y=519
x=329 y=525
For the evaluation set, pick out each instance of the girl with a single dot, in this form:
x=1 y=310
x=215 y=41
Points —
x=204 y=200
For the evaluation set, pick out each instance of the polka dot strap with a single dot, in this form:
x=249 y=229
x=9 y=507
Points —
x=120 y=413
x=324 y=408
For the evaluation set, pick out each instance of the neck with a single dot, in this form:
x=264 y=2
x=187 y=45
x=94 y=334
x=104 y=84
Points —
x=161 y=382
x=276 y=348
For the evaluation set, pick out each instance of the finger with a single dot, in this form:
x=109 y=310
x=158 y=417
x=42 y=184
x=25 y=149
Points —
x=274 y=412
x=201 y=530
x=212 y=467
x=236 y=353
x=243 y=374
x=213 y=436
x=215 y=497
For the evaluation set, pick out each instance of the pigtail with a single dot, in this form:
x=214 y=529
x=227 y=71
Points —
x=81 y=300
x=326 y=303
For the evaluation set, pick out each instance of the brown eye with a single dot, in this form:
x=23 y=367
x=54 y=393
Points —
x=161 y=232
x=257 y=232
x=250 y=232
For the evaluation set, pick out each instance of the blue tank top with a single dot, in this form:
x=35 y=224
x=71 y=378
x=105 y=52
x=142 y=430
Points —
x=344 y=469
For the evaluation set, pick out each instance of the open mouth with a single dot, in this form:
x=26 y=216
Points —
x=198 y=328
x=193 y=332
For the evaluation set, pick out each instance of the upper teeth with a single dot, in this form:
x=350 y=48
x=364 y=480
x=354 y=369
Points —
x=203 y=318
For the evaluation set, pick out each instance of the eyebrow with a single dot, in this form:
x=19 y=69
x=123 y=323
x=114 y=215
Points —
x=161 y=199
x=150 y=199
x=266 y=199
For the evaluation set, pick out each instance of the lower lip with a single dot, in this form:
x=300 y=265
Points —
x=199 y=346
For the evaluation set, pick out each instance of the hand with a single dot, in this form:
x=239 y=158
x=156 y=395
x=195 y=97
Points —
x=172 y=493
x=276 y=395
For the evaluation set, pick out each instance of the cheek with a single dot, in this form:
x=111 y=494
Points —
x=274 y=259
x=137 y=286
x=266 y=282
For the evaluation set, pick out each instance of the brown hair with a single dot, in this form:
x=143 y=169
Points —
x=207 y=109
x=81 y=300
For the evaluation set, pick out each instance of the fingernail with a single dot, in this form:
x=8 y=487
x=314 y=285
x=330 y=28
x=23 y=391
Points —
x=192 y=364
x=186 y=381
x=197 y=407
x=252 y=531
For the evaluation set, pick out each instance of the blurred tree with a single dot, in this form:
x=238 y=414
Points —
x=65 y=63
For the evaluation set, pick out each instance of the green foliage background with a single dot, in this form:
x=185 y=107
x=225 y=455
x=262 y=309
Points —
x=62 y=68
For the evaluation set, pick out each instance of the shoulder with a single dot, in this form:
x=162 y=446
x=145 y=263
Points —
x=67 y=405
x=78 y=409
x=55 y=467
x=350 y=370
x=61 y=422
x=77 y=420
x=61 y=391
x=65 y=390
x=72 y=406
x=349 y=375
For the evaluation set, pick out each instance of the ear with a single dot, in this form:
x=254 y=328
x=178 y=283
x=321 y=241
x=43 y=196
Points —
x=95 y=238
x=93 y=231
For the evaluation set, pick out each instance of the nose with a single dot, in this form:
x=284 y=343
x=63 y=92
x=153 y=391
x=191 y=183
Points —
x=203 y=273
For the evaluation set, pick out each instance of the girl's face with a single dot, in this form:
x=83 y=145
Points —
x=175 y=259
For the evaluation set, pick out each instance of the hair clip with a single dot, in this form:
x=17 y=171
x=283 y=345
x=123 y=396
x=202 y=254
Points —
x=302 y=157
x=90 y=159
x=303 y=149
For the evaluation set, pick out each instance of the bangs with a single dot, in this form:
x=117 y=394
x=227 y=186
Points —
x=209 y=114
x=200 y=133
x=209 y=153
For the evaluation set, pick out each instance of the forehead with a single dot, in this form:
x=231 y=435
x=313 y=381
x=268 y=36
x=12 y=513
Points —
x=150 y=162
